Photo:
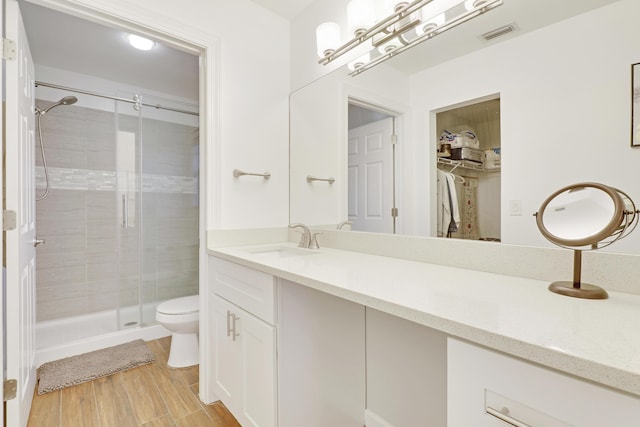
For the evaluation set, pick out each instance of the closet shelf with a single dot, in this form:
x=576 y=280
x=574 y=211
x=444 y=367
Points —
x=465 y=164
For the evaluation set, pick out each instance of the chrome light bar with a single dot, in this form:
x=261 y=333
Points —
x=385 y=30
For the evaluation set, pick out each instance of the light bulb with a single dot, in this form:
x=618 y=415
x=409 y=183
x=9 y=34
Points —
x=359 y=16
x=327 y=38
x=140 y=42
x=433 y=15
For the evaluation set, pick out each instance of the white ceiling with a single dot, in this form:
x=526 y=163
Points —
x=69 y=43
x=62 y=41
x=528 y=15
x=288 y=9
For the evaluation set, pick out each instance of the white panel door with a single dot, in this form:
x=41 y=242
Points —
x=20 y=197
x=370 y=172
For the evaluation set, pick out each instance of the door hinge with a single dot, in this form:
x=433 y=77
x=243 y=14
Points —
x=8 y=50
x=10 y=389
x=394 y=212
x=394 y=139
x=9 y=221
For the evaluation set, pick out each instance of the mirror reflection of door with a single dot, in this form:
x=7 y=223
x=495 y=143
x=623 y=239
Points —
x=371 y=192
x=469 y=156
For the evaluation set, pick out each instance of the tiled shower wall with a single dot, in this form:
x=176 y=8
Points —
x=89 y=262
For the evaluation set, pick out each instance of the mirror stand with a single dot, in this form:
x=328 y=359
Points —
x=575 y=288
x=583 y=215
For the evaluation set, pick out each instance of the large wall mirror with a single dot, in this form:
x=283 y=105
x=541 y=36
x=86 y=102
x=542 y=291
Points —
x=556 y=109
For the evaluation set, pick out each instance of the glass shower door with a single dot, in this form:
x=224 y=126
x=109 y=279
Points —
x=128 y=200
x=157 y=174
x=169 y=203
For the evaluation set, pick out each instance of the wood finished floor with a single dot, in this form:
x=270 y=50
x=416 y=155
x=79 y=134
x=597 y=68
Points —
x=153 y=395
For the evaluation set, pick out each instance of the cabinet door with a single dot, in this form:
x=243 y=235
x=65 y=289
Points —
x=227 y=356
x=258 y=370
x=244 y=364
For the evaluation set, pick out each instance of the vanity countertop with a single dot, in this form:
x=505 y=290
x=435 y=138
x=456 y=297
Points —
x=597 y=340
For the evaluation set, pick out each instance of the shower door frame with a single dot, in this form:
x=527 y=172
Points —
x=147 y=22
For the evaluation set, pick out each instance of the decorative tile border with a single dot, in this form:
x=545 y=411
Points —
x=97 y=180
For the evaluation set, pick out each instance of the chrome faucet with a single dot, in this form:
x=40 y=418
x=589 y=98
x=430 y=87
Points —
x=305 y=239
x=342 y=224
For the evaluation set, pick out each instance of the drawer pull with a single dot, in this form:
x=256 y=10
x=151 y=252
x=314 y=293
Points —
x=503 y=415
x=229 y=323
x=235 y=334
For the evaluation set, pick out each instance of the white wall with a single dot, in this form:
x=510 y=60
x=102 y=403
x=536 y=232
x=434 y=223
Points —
x=319 y=138
x=250 y=112
x=565 y=107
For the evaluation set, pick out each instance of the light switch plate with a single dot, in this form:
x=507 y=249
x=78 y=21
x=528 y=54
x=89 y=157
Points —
x=515 y=207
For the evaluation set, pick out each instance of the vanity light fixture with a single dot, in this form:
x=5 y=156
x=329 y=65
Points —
x=140 y=43
x=409 y=24
x=585 y=216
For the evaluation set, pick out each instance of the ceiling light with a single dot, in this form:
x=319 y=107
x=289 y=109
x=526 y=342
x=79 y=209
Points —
x=394 y=34
x=140 y=42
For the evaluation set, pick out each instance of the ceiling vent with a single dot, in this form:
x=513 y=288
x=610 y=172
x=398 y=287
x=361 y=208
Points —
x=499 y=32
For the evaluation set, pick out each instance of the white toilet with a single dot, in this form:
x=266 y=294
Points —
x=182 y=317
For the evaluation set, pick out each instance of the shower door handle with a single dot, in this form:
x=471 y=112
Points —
x=125 y=211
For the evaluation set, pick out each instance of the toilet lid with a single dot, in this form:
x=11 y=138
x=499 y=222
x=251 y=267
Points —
x=184 y=305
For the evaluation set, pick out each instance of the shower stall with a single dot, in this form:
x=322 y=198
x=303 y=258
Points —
x=118 y=212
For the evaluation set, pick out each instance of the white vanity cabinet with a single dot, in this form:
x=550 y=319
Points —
x=244 y=349
x=491 y=389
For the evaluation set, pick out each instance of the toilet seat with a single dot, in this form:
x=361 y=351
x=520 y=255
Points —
x=177 y=306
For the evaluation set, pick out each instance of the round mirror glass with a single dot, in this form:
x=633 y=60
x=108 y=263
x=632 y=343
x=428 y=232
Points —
x=581 y=214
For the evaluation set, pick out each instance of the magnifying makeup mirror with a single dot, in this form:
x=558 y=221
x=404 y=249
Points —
x=585 y=216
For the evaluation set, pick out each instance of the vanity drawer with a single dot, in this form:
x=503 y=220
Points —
x=252 y=290
x=487 y=388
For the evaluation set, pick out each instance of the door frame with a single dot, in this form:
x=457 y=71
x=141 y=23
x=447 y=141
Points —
x=356 y=96
x=145 y=21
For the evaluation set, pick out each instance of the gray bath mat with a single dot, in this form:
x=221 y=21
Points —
x=89 y=366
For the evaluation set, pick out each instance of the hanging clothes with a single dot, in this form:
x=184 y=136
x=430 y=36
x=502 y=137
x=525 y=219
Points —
x=448 y=212
x=469 y=210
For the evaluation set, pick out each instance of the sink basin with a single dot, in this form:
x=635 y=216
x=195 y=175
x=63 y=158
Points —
x=281 y=251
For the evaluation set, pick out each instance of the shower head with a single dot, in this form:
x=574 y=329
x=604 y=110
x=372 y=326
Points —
x=67 y=100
